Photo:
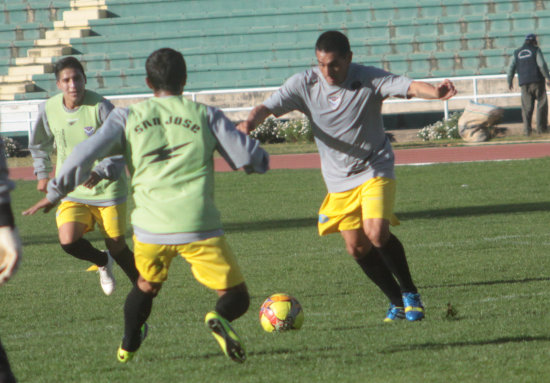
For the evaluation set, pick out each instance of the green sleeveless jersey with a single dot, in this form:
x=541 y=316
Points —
x=71 y=128
x=169 y=151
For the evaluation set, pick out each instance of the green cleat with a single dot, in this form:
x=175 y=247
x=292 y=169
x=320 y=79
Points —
x=227 y=338
x=124 y=356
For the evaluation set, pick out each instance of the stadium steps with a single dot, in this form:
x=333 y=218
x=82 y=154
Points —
x=201 y=77
x=53 y=43
x=386 y=10
x=418 y=38
x=399 y=49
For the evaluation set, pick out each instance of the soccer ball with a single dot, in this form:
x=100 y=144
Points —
x=281 y=312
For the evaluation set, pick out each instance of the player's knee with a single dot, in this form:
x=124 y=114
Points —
x=377 y=235
x=233 y=304
x=147 y=287
x=357 y=250
x=116 y=245
x=72 y=248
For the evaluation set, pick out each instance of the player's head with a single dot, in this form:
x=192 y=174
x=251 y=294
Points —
x=531 y=38
x=333 y=56
x=166 y=71
x=71 y=80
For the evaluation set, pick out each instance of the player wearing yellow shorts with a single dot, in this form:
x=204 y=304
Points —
x=66 y=120
x=343 y=101
x=168 y=144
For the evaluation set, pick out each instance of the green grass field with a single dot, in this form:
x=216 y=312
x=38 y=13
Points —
x=476 y=235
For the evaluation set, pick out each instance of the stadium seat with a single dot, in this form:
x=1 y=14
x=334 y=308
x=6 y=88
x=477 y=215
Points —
x=23 y=31
x=19 y=12
x=504 y=6
x=526 y=6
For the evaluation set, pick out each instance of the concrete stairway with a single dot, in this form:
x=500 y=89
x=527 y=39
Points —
x=56 y=43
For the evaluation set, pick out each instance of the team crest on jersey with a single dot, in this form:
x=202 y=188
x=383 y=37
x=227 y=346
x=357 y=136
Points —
x=524 y=53
x=89 y=130
x=334 y=101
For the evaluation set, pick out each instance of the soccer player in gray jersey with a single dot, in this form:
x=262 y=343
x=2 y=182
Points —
x=10 y=250
x=343 y=101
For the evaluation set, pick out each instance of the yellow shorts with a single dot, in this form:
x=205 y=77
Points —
x=110 y=219
x=212 y=262
x=347 y=210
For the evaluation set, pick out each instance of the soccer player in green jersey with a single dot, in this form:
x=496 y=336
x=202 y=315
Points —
x=65 y=120
x=168 y=143
x=343 y=101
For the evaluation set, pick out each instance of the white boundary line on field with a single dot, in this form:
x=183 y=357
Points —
x=462 y=162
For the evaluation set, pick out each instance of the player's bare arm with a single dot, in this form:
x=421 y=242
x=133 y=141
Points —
x=442 y=91
x=44 y=204
x=255 y=118
x=42 y=185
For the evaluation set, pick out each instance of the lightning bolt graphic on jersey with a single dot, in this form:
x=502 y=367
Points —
x=163 y=154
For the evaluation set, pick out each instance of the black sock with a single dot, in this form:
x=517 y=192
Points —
x=6 y=375
x=393 y=255
x=83 y=249
x=125 y=259
x=233 y=304
x=378 y=272
x=137 y=309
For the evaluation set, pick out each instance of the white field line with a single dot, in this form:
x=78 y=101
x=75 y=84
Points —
x=460 y=162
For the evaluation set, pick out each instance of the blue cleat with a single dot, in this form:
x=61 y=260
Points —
x=394 y=313
x=414 y=310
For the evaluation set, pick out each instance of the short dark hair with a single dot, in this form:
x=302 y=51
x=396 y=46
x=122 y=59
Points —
x=68 y=62
x=333 y=41
x=166 y=70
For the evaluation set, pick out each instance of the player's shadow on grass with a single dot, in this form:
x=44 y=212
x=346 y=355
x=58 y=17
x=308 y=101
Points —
x=488 y=283
x=41 y=239
x=472 y=211
x=282 y=351
x=430 y=346
x=270 y=225
x=29 y=239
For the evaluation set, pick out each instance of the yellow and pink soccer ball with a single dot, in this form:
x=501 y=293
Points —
x=281 y=312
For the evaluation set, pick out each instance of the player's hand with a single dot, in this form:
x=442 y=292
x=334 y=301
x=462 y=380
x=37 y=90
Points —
x=10 y=252
x=245 y=127
x=92 y=180
x=42 y=185
x=446 y=89
x=44 y=203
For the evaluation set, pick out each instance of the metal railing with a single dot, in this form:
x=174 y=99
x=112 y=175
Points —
x=10 y=122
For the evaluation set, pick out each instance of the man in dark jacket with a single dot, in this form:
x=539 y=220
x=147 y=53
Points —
x=529 y=63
